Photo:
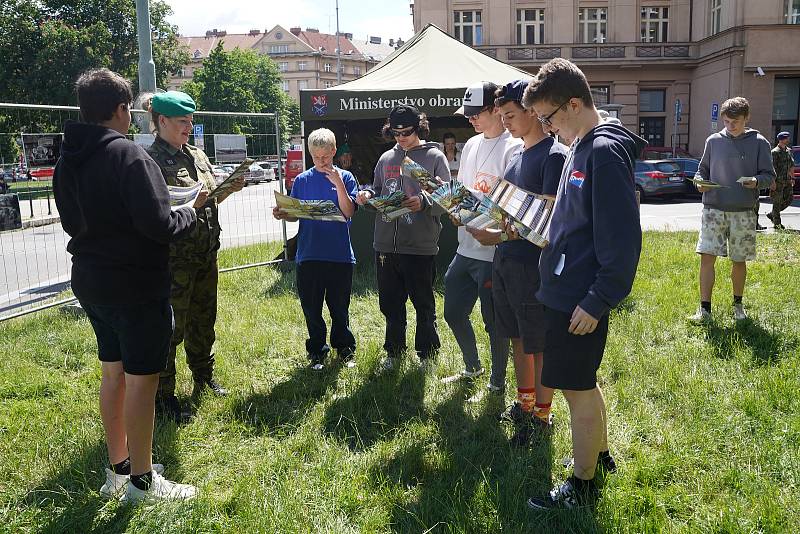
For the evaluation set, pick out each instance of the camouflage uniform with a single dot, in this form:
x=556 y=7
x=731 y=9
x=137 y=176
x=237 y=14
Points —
x=193 y=263
x=784 y=182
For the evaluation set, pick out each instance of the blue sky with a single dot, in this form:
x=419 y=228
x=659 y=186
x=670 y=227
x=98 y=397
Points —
x=362 y=18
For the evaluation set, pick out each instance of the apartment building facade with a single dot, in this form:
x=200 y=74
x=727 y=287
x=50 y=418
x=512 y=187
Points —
x=662 y=66
x=307 y=58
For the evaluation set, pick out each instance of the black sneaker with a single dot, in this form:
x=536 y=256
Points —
x=605 y=463
x=316 y=361
x=169 y=407
x=210 y=383
x=348 y=357
x=566 y=497
x=512 y=414
x=530 y=427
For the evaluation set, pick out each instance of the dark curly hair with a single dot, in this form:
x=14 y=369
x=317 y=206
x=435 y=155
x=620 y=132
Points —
x=423 y=129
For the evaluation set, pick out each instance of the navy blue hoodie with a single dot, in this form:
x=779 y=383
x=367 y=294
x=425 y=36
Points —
x=114 y=204
x=595 y=234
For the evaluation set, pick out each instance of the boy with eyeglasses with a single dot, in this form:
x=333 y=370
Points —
x=589 y=265
x=406 y=248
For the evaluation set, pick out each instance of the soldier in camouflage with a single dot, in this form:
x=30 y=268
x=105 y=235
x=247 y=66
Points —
x=782 y=193
x=193 y=260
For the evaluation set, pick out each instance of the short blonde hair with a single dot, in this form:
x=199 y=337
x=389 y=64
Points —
x=321 y=138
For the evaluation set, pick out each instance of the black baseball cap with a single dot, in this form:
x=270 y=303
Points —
x=404 y=116
x=477 y=97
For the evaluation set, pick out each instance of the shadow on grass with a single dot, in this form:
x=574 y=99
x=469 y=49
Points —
x=66 y=504
x=766 y=347
x=363 y=281
x=383 y=403
x=288 y=402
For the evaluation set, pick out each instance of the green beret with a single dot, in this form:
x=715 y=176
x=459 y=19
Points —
x=173 y=104
x=344 y=149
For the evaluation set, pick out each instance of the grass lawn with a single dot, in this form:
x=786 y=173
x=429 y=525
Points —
x=704 y=421
x=28 y=189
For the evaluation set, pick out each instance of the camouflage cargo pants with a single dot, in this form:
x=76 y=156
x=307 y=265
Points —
x=194 y=303
x=781 y=199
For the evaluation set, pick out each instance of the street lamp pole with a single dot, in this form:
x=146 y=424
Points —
x=338 y=49
x=147 y=68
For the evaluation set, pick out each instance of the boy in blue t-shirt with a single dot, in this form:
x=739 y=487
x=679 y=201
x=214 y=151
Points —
x=324 y=254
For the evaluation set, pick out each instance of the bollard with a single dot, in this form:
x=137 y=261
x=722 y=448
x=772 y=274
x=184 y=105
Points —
x=49 y=212
x=30 y=199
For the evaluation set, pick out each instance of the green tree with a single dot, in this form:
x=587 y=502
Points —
x=243 y=81
x=45 y=45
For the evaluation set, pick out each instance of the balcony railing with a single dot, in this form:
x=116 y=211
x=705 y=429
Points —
x=601 y=53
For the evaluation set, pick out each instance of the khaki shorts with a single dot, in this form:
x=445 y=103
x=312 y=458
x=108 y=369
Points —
x=728 y=233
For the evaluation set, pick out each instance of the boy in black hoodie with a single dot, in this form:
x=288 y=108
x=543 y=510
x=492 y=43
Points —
x=115 y=206
x=588 y=267
x=406 y=248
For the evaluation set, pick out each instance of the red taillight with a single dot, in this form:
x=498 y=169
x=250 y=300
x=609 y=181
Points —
x=658 y=175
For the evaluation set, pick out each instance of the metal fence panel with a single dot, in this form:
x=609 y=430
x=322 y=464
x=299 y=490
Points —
x=35 y=263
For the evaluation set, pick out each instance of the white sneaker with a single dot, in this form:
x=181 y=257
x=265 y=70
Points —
x=464 y=374
x=700 y=316
x=160 y=490
x=115 y=484
x=738 y=312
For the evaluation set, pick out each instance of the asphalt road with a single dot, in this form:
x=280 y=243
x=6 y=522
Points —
x=36 y=265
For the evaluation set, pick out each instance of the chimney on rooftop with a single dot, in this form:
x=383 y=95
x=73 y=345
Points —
x=391 y=42
x=255 y=32
x=296 y=30
x=375 y=40
x=312 y=30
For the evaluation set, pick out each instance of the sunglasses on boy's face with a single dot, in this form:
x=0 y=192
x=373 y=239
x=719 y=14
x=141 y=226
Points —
x=403 y=133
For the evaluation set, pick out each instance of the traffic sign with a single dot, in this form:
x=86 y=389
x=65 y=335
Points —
x=714 y=111
x=198 y=136
x=678 y=109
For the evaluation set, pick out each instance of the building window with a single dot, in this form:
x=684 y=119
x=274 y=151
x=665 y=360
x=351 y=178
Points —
x=283 y=66
x=600 y=95
x=328 y=84
x=301 y=65
x=592 y=24
x=279 y=49
x=715 y=7
x=792 y=11
x=285 y=85
x=468 y=27
x=357 y=71
x=652 y=100
x=530 y=26
x=302 y=84
x=654 y=24
x=328 y=67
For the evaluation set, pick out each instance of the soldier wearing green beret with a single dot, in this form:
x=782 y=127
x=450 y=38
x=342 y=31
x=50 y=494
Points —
x=193 y=260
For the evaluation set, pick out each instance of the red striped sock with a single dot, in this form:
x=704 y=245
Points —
x=526 y=398
x=542 y=411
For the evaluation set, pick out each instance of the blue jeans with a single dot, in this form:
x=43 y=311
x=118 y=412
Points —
x=465 y=282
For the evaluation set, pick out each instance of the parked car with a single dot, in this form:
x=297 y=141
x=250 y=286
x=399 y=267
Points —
x=658 y=178
x=688 y=170
x=663 y=152
x=255 y=175
x=220 y=174
x=269 y=168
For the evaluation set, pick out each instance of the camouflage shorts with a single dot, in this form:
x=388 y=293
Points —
x=728 y=233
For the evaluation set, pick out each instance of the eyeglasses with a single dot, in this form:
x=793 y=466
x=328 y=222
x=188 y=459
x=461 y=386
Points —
x=545 y=121
x=403 y=133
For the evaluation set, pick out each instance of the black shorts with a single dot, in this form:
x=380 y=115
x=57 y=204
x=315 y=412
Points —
x=137 y=335
x=570 y=362
x=517 y=312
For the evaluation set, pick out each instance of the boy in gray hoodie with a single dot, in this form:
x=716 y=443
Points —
x=738 y=160
x=406 y=248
